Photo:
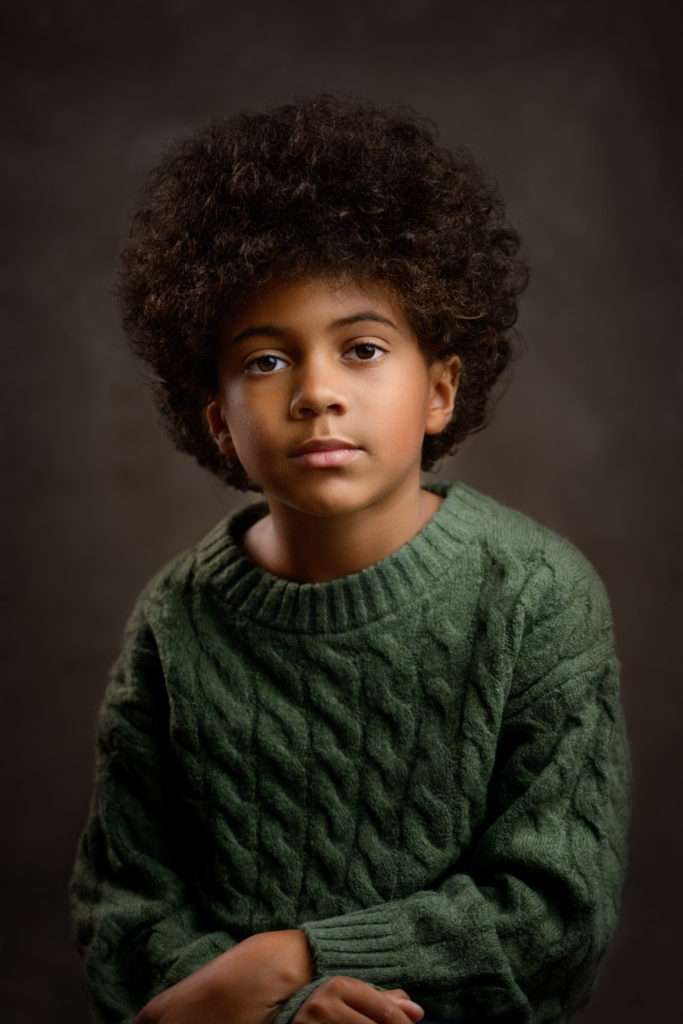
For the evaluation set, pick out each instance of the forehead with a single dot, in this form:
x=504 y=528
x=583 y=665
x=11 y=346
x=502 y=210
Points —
x=313 y=303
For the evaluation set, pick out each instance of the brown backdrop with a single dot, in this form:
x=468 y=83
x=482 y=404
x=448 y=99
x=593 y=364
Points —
x=573 y=107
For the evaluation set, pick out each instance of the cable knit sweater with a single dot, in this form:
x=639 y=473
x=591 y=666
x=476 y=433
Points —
x=423 y=765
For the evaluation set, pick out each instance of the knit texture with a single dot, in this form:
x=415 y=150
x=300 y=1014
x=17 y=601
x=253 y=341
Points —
x=423 y=765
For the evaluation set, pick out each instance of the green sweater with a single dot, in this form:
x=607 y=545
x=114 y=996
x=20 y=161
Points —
x=423 y=765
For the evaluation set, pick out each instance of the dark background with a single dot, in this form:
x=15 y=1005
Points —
x=574 y=109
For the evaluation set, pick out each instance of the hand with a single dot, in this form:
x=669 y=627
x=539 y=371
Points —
x=336 y=999
x=248 y=983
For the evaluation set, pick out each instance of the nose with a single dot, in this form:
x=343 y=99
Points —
x=317 y=390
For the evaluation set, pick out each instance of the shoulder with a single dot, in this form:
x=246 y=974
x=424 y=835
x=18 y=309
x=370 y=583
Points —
x=546 y=589
x=171 y=586
x=558 y=614
x=545 y=560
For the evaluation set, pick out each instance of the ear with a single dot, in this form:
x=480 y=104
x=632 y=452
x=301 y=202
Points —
x=218 y=428
x=445 y=380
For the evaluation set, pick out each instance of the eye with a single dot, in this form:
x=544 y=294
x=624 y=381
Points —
x=368 y=344
x=359 y=345
x=259 y=359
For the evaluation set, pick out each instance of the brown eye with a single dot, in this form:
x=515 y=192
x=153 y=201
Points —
x=259 y=359
x=367 y=345
x=264 y=371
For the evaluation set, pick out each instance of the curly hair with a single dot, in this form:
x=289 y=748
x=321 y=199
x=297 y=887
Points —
x=330 y=185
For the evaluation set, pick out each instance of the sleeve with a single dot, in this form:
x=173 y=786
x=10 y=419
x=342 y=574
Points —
x=517 y=931
x=133 y=921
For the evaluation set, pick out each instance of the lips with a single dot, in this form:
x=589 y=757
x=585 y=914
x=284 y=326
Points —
x=321 y=444
x=328 y=459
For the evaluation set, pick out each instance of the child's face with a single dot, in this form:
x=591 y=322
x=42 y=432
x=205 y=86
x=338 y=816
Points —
x=299 y=374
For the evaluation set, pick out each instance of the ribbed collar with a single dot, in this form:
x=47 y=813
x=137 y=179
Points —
x=332 y=606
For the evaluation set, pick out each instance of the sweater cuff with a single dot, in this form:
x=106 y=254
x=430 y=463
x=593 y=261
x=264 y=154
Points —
x=371 y=941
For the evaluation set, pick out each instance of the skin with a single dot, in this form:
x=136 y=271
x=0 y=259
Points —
x=249 y=983
x=274 y=393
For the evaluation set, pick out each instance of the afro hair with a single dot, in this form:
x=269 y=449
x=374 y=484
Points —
x=330 y=185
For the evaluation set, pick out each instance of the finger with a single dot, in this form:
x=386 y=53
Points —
x=345 y=1014
x=402 y=997
x=377 y=1006
x=413 y=1009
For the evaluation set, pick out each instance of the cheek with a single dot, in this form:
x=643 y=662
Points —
x=244 y=410
x=404 y=404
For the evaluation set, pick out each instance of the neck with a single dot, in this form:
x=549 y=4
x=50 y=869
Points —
x=338 y=545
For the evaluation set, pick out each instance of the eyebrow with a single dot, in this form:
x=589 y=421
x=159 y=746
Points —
x=273 y=331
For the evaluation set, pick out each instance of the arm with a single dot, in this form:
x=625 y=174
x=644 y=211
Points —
x=301 y=970
x=134 y=923
x=517 y=930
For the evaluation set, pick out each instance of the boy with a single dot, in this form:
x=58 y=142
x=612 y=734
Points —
x=364 y=741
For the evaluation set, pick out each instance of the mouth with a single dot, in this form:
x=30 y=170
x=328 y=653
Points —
x=327 y=457
x=324 y=443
